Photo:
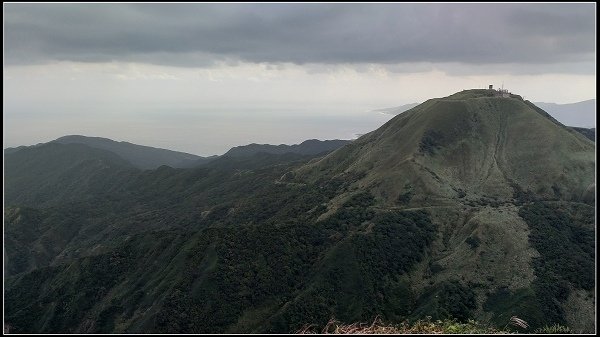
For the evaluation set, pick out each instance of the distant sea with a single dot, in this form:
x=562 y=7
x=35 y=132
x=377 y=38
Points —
x=202 y=130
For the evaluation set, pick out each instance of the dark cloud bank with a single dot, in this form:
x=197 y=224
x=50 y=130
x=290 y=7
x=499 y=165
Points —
x=197 y=34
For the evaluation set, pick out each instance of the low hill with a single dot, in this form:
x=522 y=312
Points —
x=52 y=173
x=143 y=157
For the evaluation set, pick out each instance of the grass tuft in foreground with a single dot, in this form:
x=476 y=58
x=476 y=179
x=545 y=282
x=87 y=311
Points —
x=428 y=326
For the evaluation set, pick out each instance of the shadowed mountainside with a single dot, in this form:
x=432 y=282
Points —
x=54 y=173
x=143 y=157
x=589 y=133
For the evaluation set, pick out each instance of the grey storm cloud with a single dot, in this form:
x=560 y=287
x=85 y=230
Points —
x=197 y=34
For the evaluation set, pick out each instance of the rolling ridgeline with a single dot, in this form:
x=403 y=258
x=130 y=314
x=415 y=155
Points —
x=468 y=206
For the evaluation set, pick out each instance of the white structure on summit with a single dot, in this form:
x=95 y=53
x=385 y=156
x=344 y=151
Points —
x=500 y=92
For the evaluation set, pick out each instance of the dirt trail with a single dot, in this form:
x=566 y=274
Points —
x=498 y=154
x=396 y=208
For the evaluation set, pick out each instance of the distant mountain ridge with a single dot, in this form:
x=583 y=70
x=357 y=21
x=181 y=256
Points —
x=579 y=114
x=146 y=157
x=307 y=147
x=398 y=109
x=589 y=133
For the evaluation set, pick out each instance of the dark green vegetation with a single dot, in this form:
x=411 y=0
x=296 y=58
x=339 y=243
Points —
x=567 y=253
x=54 y=173
x=447 y=299
x=258 y=160
x=431 y=141
x=307 y=147
x=564 y=235
x=434 y=214
x=215 y=265
x=143 y=157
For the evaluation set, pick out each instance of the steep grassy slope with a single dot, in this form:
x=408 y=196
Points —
x=452 y=209
x=471 y=144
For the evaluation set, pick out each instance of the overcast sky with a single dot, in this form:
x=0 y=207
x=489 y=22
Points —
x=202 y=78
